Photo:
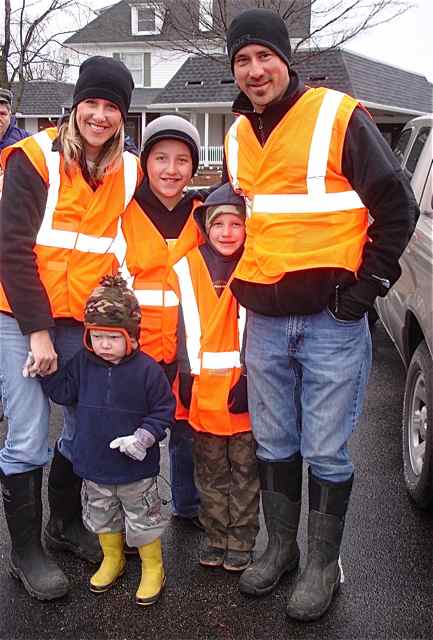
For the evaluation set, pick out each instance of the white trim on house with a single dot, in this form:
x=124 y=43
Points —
x=393 y=109
x=195 y=106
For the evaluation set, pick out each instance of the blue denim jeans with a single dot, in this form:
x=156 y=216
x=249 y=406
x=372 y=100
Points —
x=185 y=497
x=307 y=377
x=26 y=406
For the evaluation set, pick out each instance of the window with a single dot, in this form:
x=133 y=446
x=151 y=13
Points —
x=146 y=19
x=415 y=152
x=139 y=66
x=401 y=145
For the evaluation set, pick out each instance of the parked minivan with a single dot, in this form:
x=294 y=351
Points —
x=407 y=314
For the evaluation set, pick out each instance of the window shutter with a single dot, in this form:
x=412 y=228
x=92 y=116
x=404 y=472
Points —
x=146 y=70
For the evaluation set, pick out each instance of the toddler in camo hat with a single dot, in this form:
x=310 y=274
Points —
x=112 y=307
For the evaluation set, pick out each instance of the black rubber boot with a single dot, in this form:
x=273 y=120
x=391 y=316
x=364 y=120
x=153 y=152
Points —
x=320 y=580
x=40 y=575
x=65 y=530
x=281 y=484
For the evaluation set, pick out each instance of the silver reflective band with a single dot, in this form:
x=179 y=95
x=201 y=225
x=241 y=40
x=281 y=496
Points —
x=190 y=314
x=321 y=142
x=305 y=203
x=130 y=171
x=93 y=244
x=221 y=360
x=156 y=298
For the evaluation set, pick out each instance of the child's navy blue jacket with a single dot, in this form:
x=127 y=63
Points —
x=112 y=401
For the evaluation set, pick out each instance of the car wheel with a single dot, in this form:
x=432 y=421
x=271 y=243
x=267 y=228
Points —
x=417 y=428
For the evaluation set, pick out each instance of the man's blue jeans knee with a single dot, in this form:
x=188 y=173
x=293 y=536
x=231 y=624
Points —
x=306 y=384
x=185 y=498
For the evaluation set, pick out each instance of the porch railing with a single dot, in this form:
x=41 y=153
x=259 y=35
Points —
x=212 y=156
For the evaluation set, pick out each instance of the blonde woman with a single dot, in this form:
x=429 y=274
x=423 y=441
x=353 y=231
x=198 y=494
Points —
x=64 y=191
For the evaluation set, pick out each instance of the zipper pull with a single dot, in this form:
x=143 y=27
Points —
x=261 y=130
x=337 y=296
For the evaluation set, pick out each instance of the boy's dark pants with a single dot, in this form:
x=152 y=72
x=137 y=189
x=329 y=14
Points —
x=226 y=476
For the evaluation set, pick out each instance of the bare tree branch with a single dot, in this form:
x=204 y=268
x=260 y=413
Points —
x=32 y=35
x=313 y=24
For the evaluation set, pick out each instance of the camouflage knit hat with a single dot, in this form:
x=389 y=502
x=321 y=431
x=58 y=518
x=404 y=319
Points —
x=112 y=304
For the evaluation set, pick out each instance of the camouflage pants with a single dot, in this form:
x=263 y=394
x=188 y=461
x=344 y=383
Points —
x=135 y=507
x=226 y=476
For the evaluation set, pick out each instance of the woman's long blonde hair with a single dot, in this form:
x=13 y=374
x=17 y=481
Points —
x=109 y=159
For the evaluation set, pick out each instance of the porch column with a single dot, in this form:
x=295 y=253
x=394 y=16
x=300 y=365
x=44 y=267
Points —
x=206 y=139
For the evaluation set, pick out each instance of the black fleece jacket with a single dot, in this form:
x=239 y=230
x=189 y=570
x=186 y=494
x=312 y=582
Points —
x=375 y=174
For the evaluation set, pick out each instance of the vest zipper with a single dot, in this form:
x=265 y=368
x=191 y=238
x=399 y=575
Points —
x=109 y=386
x=261 y=130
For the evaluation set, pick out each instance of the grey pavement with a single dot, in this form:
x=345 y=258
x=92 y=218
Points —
x=386 y=553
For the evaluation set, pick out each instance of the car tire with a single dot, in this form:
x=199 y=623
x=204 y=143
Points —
x=417 y=428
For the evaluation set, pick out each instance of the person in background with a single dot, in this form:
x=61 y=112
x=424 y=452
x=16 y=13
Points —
x=210 y=359
x=9 y=132
x=159 y=229
x=64 y=191
x=312 y=167
x=124 y=406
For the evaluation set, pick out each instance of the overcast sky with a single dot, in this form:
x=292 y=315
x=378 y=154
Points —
x=405 y=42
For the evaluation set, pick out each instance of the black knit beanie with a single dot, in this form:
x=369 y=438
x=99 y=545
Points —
x=259 y=26
x=107 y=78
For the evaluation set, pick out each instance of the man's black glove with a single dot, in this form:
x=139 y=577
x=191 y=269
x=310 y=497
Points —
x=238 y=396
x=354 y=301
x=185 y=389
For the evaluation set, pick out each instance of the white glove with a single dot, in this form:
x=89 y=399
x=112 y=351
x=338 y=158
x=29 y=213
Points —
x=134 y=446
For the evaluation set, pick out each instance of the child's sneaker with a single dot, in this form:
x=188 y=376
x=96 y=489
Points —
x=237 y=560
x=212 y=557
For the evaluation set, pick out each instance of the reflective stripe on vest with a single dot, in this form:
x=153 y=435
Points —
x=156 y=298
x=209 y=360
x=317 y=199
x=49 y=237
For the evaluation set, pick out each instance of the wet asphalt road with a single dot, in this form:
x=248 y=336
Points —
x=387 y=559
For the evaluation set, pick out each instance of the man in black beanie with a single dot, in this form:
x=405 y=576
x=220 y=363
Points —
x=312 y=166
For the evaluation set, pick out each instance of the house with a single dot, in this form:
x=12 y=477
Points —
x=203 y=90
x=145 y=35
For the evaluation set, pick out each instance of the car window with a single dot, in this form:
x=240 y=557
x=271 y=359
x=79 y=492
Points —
x=401 y=145
x=415 y=152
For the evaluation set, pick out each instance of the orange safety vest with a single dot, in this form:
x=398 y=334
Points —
x=79 y=240
x=214 y=329
x=148 y=259
x=302 y=212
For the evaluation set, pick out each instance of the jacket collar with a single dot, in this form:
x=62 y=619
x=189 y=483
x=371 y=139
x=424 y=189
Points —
x=242 y=104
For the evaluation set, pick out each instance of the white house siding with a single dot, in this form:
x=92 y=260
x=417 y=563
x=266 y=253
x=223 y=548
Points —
x=164 y=63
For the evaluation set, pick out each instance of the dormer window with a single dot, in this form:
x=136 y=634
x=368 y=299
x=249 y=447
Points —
x=146 y=19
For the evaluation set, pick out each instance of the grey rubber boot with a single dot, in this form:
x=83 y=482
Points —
x=65 y=530
x=320 y=580
x=39 y=574
x=281 y=485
